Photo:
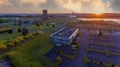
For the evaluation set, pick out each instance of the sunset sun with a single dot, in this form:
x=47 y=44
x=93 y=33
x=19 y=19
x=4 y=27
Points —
x=98 y=13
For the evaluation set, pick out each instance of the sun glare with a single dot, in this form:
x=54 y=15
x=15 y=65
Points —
x=2 y=2
x=98 y=13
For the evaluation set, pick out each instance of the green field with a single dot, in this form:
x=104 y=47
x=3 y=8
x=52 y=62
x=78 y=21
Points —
x=8 y=37
x=23 y=56
x=31 y=53
x=47 y=28
x=41 y=27
x=40 y=56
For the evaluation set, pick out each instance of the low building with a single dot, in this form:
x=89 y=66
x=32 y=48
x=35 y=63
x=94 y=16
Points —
x=64 y=36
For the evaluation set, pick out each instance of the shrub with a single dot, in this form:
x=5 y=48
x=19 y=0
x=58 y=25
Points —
x=3 y=47
x=107 y=52
x=30 y=35
x=111 y=64
x=77 y=46
x=85 y=60
x=37 y=33
x=74 y=52
x=20 y=38
x=59 y=51
x=10 y=44
x=16 y=41
x=58 y=60
x=26 y=37
x=79 y=34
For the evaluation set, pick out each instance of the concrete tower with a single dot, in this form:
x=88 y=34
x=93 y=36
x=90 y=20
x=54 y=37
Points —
x=45 y=15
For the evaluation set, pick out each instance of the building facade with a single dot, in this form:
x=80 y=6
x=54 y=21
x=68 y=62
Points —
x=45 y=15
x=64 y=36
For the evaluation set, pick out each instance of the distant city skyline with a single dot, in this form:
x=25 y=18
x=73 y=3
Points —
x=60 y=6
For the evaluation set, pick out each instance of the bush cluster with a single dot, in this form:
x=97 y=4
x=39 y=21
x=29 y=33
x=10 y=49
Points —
x=4 y=45
x=58 y=60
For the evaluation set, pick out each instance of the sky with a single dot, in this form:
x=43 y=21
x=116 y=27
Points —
x=59 y=6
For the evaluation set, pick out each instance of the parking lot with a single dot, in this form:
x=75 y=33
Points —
x=95 y=51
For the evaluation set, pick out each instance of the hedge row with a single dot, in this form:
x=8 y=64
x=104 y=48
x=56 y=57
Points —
x=4 y=30
x=4 y=45
x=110 y=64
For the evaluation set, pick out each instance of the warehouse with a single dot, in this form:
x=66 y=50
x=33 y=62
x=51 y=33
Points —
x=64 y=36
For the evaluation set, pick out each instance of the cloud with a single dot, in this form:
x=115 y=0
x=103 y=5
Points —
x=69 y=4
x=82 y=5
x=34 y=2
x=114 y=5
x=59 y=6
x=53 y=7
x=20 y=6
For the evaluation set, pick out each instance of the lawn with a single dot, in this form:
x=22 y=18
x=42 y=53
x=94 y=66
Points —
x=45 y=61
x=22 y=56
x=31 y=53
x=8 y=37
x=47 y=28
x=42 y=27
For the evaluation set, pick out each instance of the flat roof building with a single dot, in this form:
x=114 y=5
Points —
x=64 y=36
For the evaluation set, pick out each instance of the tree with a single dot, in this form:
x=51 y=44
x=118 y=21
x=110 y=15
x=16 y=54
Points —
x=53 y=25
x=101 y=63
x=37 y=24
x=58 y=60
x=78 y=34
x=10 y=31
x=47 y=24
x=113 y=65
x=59 y=51
x=19 y=30
x=25 y=32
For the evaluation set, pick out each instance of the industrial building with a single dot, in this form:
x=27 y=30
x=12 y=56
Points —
x=45 y=15
x=64 y=36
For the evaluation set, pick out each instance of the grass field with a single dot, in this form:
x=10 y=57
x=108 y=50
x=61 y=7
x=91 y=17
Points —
x=31 y=53
x=23 y=55
x=47 y=28
x=41 y=27
x=45 y=61
x=8 y=37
